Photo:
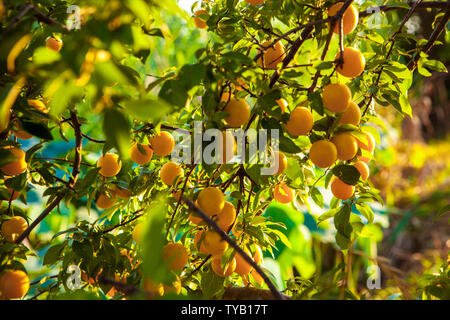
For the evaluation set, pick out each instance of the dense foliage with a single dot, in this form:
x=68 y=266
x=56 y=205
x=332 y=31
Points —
x=90 y=113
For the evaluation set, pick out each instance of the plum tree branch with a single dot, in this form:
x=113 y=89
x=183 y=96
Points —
x=368 y=12
x=277 y=295
x=337 y=18
x=294 y=30
x=392 y=41
x=198 y=267
x=137 y=214
x=21 y=14
x=72 y=180
x=39 y=15
x=432 y=39
x=179 y=199
x=166 y=127
x=290 y=56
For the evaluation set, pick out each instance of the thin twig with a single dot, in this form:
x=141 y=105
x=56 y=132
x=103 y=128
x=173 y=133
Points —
x=333 y=20
x=137 y=215
x=39 y=15
x=17 y=18
x=434 y=36
x=295 y=47
x=73 y=179
x=40 y=280
x=198 y=267
x=179 y=199
x=392 y=41
x=92 y=139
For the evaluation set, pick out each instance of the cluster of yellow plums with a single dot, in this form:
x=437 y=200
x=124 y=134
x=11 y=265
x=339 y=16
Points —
x=161 y=144
x=212 y=202
x=342 y=146
x=14 y=284
x=336 y=98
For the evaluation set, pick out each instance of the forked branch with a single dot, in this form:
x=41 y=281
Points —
x=73 y=179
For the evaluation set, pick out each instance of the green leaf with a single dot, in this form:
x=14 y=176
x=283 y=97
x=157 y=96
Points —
x=155 y=32
x=174 y=93
x=117 y=131
x=393 y=101
x=288 y=146
x=343 y=227
x=254 y=171
x=237 y=195
x=399 y=70
x=392 y=75
x=30 y=152
x=191 y=75
x=442 y=211
x=269 y=100
x=140 y=8
x=67 y=93
x=317 y=196
x=366 y=211
x=293 y=170
x=238 y=57
x=70 y=230
x=18 y=182
x=6 y=157
x=347 y=127
x=347 y=173
x=334 y=202
x=315 y=101
x=323 y=65
x=282 y=237
x=158 y=81
x=89 y=178
x=46 y=174
x=422 y=70
x=153 y=242
x=269 y=123
x=37 y=129
x=435 y=65
x=83 y=249
x=323 y=124
x=53 y=254
x=211 y=284
x=148 y=110
x=43 y=55
x=327 y=215
x=328 y=178
x=231 y=4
